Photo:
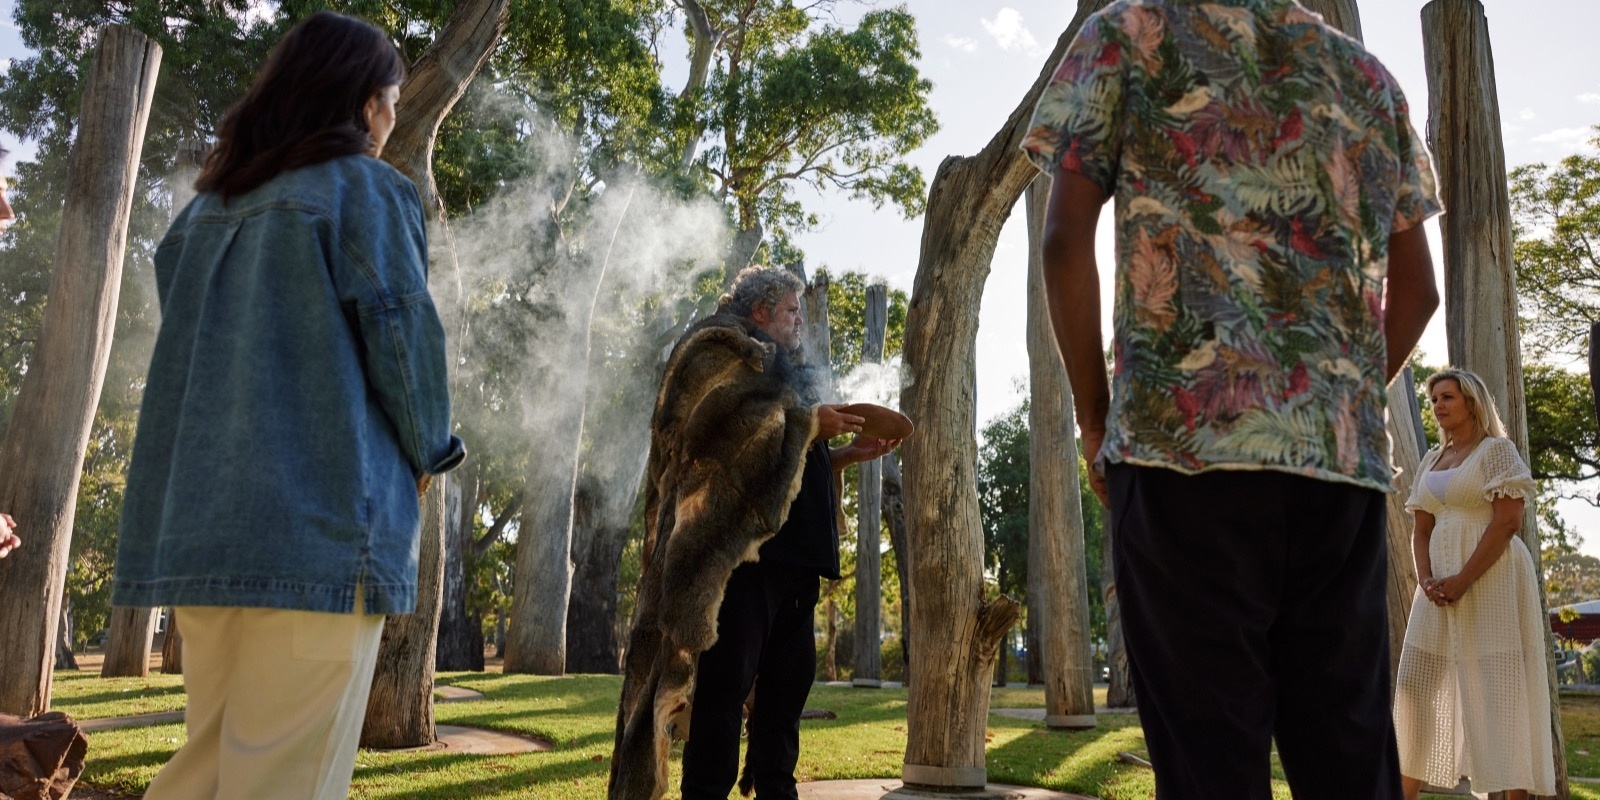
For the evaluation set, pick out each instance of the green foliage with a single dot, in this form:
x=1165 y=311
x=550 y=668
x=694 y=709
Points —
x=847 y=320
x=1555 y=221
x=793 y=100
x=1003 y=489
x=1561 y=424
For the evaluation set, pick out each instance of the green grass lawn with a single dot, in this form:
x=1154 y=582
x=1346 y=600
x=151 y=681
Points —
x=577 y=713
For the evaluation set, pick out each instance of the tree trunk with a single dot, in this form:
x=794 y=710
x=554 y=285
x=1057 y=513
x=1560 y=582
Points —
x=1055 y=510
x=706 y=40
x=830 y=661
x=741 y=252
x=64 y=659
x=536 y=637
x=1480 y=278
x=1119 y=694
x=869 y=520
x=435 y=83
x=41 y=458
x=948 y=702
x=400 y=708
x=544 y=568
x=593 y=639
x=894 y=512
x=172 y=646
x=128 y=644
x=1031 y=630
x=459 y=647
x=1405 y=438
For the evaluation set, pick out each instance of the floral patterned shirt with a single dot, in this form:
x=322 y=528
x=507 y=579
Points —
x=1260 y=161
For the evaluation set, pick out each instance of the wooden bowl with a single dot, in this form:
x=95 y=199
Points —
x=882 y=422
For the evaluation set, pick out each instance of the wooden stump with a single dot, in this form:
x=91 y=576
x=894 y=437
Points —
x=40 y=758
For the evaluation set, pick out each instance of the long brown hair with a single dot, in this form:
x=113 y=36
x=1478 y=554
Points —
x=306 y=106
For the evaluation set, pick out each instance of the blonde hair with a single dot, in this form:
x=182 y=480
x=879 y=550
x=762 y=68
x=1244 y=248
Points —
x=1479 y=401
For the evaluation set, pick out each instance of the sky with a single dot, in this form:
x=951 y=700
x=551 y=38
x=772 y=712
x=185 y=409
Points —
x=983 y=55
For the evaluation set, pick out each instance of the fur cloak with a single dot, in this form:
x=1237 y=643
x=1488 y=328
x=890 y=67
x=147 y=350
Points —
x=728 y=445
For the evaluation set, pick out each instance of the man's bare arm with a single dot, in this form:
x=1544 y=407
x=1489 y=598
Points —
x=1410 y=296
x=1072 y=287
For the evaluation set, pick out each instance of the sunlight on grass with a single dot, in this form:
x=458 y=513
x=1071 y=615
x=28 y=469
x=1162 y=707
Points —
x=577 y=713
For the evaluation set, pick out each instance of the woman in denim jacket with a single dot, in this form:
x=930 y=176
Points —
x=296 y=403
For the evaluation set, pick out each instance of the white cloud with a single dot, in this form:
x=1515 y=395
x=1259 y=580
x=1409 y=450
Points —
x=1567 y=139
x=1011 y=33
x=961 y=43
x=1589 y=97
x=1526 y=114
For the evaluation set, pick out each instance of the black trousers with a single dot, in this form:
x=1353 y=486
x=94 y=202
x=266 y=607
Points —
x=1254 y=608
x=765 y=630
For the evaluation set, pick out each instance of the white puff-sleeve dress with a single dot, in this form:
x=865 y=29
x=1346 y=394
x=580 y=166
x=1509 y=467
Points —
x=1471 y=697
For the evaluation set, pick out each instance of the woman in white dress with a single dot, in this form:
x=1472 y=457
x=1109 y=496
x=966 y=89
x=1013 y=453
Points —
x=1471 y=697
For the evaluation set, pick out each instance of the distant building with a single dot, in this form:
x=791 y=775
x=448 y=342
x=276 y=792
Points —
x=1585 y=628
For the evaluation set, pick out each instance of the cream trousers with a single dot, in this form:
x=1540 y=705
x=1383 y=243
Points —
x=276 y=702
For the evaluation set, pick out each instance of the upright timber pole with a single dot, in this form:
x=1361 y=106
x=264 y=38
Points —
x=1406 y=442
x=41 y=457
x=1404 y=424
x=1480 y=279
x=869 y=518
x=1057 y=573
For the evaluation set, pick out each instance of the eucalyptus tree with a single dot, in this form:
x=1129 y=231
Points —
x=778 y=97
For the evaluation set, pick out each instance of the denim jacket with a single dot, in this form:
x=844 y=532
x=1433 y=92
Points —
x=297 y=391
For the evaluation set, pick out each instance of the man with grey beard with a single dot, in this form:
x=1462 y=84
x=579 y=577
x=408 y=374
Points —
x=765 y=626
x=741 y=523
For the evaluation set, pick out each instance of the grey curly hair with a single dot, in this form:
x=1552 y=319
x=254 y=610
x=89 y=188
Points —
x=759 y=287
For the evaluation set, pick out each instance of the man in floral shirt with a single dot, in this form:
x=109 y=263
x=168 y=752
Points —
x=1271 y=277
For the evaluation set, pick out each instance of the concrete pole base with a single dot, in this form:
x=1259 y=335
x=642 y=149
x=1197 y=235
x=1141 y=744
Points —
x=1071 y=722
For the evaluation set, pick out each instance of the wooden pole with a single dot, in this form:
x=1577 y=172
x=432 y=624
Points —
x=172 y=646
x=1405 y=432
x=1056 y=561
x=818 y=336
x=1480 y=278
x=41 y=458
x=128 y=643
x=869 y=520
x=956 y=630
x=894 y=515
x=1341 y=14
x=1405 y=443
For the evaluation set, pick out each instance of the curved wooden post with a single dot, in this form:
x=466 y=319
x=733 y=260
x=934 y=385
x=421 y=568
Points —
x=956 y=630
x=41 y=459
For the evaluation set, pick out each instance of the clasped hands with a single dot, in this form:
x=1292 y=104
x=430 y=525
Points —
x=1444 y=591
